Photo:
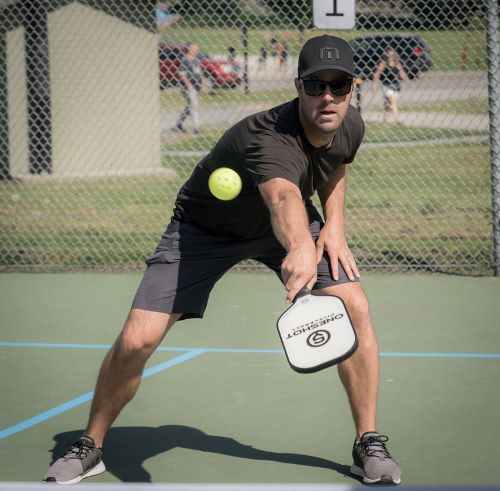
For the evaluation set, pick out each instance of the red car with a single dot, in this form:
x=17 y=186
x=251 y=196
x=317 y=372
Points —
x=217 y=73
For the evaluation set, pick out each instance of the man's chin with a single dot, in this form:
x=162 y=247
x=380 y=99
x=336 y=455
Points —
x=327 y=128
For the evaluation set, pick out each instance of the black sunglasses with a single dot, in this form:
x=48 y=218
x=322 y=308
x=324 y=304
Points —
x=318 y=87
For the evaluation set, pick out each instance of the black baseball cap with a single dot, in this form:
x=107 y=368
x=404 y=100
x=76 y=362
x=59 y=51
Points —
x=325 y=53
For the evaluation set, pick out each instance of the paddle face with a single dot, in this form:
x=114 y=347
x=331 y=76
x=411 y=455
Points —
x=316 y=332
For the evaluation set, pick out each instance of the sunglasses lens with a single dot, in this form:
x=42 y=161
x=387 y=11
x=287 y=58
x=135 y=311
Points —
x=318 y=87
x=314 y=87
x=343 y=87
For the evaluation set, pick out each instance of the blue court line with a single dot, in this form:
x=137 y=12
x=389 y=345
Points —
x=442 y=355
x=189 y=354
x=39 y=418
x=55 y=345
x=247 y=350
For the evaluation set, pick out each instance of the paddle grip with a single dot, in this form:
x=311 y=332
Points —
x=302 y=293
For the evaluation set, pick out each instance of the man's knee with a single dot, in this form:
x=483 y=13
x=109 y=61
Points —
x=357 y=303
x=354 y=298
x=143 y=331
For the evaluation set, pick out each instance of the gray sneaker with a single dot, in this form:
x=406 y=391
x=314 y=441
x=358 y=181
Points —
x=81 y=460
x=373 y=462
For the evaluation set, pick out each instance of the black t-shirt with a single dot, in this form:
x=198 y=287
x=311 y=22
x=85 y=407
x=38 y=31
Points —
x=390 y=77
x=263 y=146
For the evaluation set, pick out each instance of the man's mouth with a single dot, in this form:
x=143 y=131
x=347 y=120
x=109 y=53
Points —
x=327 y=112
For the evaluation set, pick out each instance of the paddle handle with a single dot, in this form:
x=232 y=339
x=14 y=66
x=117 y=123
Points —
x=302 y=293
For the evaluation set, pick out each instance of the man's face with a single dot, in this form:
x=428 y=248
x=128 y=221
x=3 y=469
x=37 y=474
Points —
x=193 y=50
x=322 y=114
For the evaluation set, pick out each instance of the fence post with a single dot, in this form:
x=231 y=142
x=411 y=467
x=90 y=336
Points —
x=493 y=51
x=4 y=119
x=244 y=40
x=38 y=81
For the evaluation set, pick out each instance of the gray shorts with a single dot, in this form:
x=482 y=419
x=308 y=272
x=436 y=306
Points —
x=189 y=261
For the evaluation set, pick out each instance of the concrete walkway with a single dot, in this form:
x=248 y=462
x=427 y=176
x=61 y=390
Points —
x=430 y=87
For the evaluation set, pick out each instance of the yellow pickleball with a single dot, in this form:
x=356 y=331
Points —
x=224 y=183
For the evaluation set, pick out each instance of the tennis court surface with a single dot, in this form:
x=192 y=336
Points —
x=219 y=403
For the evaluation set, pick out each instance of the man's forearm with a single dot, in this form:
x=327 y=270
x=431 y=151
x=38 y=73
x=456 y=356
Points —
x=288 y=214
x=291 y=227
x=289 y=221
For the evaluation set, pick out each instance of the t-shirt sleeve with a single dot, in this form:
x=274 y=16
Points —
x=270 y=155
x=356 y=127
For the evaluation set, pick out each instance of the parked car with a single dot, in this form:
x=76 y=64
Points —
x=413 y=51
x=217 y=73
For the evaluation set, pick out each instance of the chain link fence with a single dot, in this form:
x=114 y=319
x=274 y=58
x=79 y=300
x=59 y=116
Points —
x=91 y=157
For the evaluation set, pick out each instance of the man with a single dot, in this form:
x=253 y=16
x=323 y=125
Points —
x=166 y=15
x=283 y=156
x=192 y=81
x=390 y=72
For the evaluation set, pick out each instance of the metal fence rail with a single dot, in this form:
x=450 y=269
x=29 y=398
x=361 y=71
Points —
x=90 y=163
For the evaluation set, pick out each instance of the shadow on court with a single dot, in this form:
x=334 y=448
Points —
x=127 y=448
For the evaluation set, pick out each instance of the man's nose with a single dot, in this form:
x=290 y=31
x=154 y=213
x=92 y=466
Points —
x=328 y=95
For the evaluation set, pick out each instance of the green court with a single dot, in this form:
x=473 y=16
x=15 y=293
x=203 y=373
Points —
x=219 y=403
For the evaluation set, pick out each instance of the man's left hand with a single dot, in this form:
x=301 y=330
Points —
x=335 y=244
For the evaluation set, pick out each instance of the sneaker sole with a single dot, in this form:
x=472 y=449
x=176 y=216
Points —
x=357 y=471
x=94 y=471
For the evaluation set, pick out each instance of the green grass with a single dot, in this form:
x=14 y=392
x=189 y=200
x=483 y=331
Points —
x=422 y=206
x=375 y=133
x=172 y=98
x=445 y=46
x=431 y=202
x=472 y=105
x=382 y=133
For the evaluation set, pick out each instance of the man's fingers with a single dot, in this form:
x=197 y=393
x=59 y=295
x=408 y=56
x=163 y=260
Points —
x=350 y=268
x=311 y=283
x=320 y=248
x=334 y=262
x=292 y=293
x=293 y=287
x=354 y=267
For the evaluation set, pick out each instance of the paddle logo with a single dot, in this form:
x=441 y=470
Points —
x=309 y=326
x=318 y=338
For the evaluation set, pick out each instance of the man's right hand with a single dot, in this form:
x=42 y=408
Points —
x=299 y=269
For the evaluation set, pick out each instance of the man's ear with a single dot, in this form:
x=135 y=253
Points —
x=297 y=83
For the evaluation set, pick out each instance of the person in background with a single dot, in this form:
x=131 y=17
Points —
x=274 y=46
x=390 y=73
x=262 y=56
x=231 y=52
x=191 y=78
x=283 y=54
x=166 y=15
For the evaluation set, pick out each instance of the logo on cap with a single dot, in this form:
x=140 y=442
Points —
x=328 y=53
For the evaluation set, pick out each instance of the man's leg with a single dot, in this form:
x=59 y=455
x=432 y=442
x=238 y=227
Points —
x=193 y=99
x=360 y=376
x=393 y=107
x=122 y=368
x=185 y=112
x=117 y=383
x=359 y=373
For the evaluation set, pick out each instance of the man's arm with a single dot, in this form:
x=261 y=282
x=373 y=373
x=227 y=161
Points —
x=291 y=226
x=377 y=73
x=402 y=74
x=332 y=236
x=184 y=79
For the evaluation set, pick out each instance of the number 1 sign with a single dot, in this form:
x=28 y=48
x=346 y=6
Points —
x=334 y=14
